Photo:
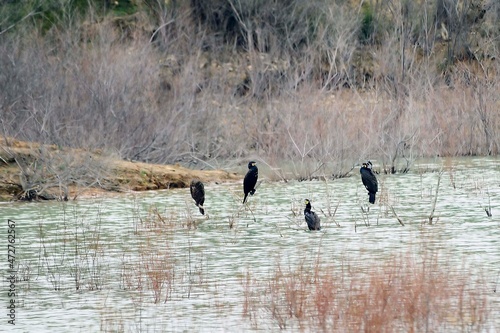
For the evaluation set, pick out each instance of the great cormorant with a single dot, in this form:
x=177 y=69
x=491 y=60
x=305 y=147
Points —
x=312 y=219
x=369 y=180
x=250 y=180
x=198 y=194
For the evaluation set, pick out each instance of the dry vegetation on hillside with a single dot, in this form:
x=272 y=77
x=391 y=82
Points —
x=309 y=88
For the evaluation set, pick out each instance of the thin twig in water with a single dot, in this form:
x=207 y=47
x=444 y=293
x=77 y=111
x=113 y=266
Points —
x=431 y=216
x=245 y=206
x=396 y=215
x=334 y=212
x=364 y=214
x=488 y=209
x=330 y=214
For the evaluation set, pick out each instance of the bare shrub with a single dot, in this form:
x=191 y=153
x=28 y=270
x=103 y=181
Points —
x=403 y=293
x=47 y=172
x=97 y=95
x=293 y=83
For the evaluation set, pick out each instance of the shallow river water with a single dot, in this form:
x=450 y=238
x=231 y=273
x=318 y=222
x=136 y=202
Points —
x=149 y=262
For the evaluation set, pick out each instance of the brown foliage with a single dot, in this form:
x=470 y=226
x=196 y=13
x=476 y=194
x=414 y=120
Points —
x=298 y=91
x=405 y=293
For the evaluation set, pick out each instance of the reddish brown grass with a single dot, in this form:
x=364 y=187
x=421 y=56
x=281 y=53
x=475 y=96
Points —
x=403 y=294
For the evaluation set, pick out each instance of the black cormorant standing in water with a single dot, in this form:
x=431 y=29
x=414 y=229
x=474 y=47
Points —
x=250 y=180
x=312 y=218
x=369 y=180
x=198 y=194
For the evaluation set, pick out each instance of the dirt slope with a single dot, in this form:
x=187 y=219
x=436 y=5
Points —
x=59 y=173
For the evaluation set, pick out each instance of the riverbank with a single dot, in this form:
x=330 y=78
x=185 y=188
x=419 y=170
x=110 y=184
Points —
x=67 y=174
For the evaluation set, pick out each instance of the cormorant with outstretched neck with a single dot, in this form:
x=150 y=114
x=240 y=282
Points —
x=250 y=180
x=312 y=219
x=369 y=180
x=198 y=194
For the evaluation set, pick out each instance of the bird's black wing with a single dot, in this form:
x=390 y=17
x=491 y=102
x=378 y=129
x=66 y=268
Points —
x=369 y=180
x=250 y=181
x=198 y=194
x=313 y=220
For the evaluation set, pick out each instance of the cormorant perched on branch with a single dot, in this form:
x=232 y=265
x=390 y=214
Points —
x=312 y=218
x=369 y=180
x=198 y=194
x=250 y=180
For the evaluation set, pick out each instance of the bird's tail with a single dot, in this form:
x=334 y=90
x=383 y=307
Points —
x=245 y=198
x=202 y=210
x=372 y=198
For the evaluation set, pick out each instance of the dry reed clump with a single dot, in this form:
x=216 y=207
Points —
x=150 y=271
x=164 y=222
x=72 y=256
x=154 y=221
x=157 y=267
x=402 y=294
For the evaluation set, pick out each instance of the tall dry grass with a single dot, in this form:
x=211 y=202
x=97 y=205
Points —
x=405 y=293
x=71 y=254
x=157 y=268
